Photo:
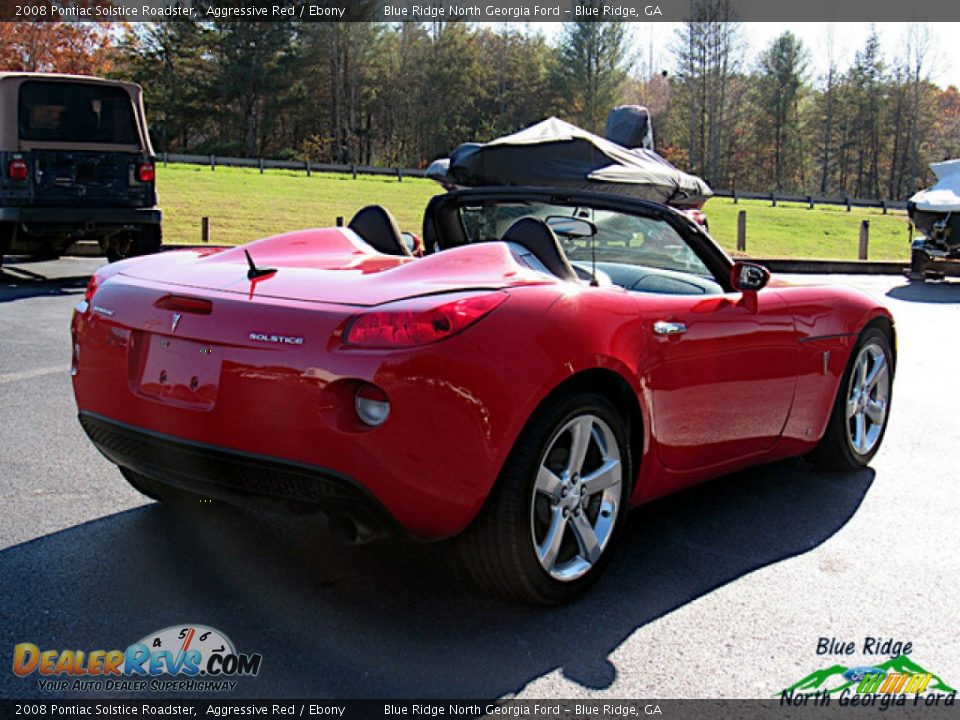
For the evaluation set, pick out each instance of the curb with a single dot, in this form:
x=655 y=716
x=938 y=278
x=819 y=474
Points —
x=780 y=265
x=839 y=267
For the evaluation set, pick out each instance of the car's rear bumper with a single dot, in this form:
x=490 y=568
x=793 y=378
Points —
x=81 y=215
x=236 y=477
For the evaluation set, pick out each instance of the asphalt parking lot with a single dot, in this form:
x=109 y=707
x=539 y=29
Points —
x=721 y=591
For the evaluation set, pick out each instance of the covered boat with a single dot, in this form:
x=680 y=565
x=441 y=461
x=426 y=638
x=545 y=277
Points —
x=554 y=153
x=936 y=210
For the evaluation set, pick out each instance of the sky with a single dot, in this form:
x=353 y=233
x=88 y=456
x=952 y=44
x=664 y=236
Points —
x=944 y=54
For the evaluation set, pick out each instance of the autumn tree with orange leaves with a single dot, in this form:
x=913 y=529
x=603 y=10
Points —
x=66 y=47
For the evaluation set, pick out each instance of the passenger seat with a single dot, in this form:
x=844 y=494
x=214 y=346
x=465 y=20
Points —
x=376 y=226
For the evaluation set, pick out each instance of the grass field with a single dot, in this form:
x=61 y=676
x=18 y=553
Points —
x=244 y=205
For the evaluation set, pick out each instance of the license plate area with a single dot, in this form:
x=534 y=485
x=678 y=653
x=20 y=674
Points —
x=180 y=372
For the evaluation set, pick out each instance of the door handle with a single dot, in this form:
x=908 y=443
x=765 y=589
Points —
x=662 y=327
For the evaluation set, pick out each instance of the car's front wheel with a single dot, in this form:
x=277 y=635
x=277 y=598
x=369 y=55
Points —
x=861 y=410
x=549 y=526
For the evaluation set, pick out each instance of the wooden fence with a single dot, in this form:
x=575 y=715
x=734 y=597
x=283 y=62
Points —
x=213 y=161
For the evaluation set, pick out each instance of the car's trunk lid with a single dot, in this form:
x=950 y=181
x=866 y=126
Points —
x=334 y=266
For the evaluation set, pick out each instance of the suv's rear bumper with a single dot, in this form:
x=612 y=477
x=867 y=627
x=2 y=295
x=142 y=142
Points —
x=235 y=477
x=82 y=215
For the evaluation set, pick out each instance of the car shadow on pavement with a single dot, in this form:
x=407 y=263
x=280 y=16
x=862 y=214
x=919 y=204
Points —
x=942 y=291
x=17 y=282
x=396 y=618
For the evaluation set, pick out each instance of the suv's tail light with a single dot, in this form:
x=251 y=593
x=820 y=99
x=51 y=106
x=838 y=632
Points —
x=146 y=172
x=18 y=170
x=420 y=321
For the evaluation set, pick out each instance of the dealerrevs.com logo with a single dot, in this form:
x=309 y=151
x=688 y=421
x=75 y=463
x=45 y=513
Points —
x=200 y=658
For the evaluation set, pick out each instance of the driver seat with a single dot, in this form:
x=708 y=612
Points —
x=376 y=226
x=537 y=237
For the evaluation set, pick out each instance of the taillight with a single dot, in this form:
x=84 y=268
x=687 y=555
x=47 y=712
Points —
x=18 y=170
x=146 y=172
x=421 y=321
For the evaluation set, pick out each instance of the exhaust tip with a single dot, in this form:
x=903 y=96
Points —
x=343 y=528
x=351 y=531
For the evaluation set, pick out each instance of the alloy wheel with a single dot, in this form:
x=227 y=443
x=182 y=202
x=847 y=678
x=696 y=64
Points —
x=576 y=497
x=868 y=397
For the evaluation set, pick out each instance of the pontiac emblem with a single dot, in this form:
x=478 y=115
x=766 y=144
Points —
x=175 y=322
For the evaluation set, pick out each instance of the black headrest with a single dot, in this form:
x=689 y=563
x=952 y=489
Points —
x=377 y=227
x=537 y=237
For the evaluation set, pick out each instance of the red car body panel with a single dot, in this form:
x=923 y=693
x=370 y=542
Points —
x=750 y=381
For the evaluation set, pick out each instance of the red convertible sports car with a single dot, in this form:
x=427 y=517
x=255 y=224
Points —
x=553 y=359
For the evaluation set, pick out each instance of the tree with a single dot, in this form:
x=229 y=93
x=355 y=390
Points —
x=251 y=75
x=170 y=61
x=782 y=67
x=67 y=47
x=828 y=105
x=707 y=51
x=866 y=79
x=591 y=68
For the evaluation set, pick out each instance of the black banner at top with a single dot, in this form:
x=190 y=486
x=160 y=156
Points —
x=526 y=11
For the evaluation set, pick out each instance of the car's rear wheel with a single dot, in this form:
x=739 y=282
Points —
x=548 y=528
x=861 y=410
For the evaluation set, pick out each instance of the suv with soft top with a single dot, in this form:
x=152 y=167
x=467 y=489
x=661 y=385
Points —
x=75 y=164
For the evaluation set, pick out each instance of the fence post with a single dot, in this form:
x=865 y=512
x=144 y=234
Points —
x=261 y=165
x=308 y=168
x=213 y=162
x=773 y=199
x=810 y=201
x=205 y=229
x=742 y=231
x=353 y=169
x=883 y=204
x=399 y=175
x=165 y=157
x=339 y=221
x=864 y=239
x=847 y=201
x=735 y=198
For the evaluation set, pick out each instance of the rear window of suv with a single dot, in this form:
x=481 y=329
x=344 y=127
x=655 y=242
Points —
x=76 y=113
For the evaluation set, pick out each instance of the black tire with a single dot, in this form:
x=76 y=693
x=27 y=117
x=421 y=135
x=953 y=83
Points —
x=6 y=239
x=918 y=266
x=836 y=450
x=146 y=242
x=498 y=549
x=150 y=240
x=158 y=491
x=120 y=248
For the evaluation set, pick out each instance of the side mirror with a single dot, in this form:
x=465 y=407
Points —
x=746 y=276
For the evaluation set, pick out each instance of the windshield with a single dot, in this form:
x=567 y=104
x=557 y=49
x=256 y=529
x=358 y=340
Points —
x=621 y=238
x=76 y=113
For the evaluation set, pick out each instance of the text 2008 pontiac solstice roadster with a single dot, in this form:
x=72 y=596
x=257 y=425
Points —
x=551 y=360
